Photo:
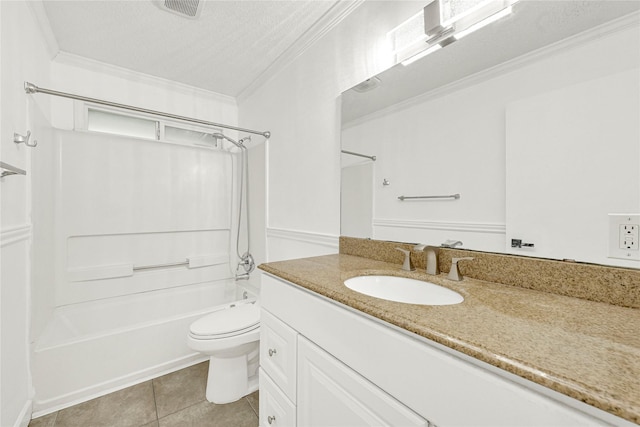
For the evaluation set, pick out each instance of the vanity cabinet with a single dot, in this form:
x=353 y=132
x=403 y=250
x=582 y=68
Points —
x=327 y=391
x=353 y=369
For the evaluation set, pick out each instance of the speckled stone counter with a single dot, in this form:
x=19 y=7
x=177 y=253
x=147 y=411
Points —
x=587 y=350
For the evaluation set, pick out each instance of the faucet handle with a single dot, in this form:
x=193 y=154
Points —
x=407 y=265
x=423 y=248
x=454 y=273
x=451 y=243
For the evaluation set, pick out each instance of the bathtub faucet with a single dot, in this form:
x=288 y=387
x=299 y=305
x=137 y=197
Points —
x=248 y=264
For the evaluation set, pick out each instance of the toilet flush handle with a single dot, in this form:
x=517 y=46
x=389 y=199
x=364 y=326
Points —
x=271 y=419
x=272 y=351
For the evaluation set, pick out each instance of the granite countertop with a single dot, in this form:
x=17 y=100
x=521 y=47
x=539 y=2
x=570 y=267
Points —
x=587 y=350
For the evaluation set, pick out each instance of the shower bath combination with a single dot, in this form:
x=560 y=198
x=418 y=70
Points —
x=246 y=261
x=109 y=315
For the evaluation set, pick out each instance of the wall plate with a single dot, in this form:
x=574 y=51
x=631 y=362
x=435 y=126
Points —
x=624 y=235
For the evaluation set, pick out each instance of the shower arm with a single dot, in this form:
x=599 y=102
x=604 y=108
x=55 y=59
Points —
x=238 y=144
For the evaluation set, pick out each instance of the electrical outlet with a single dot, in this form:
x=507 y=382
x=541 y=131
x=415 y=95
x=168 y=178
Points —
x=624 y=236
x=629 y=236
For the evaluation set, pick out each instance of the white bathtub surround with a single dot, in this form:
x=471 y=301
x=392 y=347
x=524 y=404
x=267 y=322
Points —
x=140 y=336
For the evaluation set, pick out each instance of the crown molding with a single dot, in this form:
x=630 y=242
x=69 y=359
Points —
x=66 y=58
x=39 y=14
x=519 y=62
x=336 y=14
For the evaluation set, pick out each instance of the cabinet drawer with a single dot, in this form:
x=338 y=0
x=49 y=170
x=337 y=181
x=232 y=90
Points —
x=275 y=409
x=278 y=353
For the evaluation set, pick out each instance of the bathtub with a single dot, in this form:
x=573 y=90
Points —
x=94 y=348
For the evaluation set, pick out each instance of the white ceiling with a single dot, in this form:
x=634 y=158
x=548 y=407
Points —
x=228 y=48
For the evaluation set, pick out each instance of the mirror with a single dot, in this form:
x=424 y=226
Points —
x=534 y=121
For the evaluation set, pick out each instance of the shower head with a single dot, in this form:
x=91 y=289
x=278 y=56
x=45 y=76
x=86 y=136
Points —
x=219 y=135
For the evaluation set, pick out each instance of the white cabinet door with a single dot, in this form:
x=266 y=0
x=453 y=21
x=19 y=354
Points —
x=331 y=394
x=275 y=409
x=278 y=353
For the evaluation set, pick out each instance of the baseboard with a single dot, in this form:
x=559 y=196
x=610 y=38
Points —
x=49 y=406
x=25 y=415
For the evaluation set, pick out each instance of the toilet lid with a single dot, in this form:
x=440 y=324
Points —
x=229 y=321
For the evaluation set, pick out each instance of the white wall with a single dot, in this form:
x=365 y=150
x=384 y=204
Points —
x=93 y=79
x=357 y=196
x=301 y=107
x=573 y=157
x=23 y=56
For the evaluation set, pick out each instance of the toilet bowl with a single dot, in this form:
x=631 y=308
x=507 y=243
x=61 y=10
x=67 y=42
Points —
x=230 y=337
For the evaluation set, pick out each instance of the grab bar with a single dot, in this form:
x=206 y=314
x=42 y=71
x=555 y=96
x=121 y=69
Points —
x=452 y=196
x=10 y=170
x=151 y=267
x=113 y=271
x=359 y=155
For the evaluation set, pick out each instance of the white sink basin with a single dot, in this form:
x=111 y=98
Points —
x=402 y=289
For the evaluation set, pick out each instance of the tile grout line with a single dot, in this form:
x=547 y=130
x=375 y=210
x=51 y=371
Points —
x=155 y=403
x=246 y=398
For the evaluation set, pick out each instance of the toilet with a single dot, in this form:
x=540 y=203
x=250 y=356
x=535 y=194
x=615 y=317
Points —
x=231 y=339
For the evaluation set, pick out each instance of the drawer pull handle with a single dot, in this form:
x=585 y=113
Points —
x=272 y=351
x=271 y=419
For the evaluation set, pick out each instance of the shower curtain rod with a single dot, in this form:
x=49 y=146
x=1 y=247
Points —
x=359 y=155
x=30 y=88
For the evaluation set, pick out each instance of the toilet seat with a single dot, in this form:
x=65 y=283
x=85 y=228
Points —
x=228 y=322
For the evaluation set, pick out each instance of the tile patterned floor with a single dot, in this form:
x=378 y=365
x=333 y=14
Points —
x=176 y=399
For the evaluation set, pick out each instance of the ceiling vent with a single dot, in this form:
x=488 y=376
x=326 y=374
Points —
x=186 y=8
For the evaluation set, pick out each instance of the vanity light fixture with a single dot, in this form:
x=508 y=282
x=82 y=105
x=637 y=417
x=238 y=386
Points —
x=493 y=18
x=422 y=54
x=408 y=37
x=440 y=29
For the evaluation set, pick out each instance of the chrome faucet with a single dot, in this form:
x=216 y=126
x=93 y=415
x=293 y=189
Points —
x=432 y=258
